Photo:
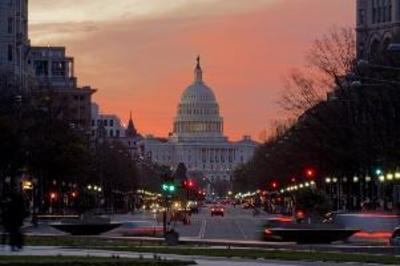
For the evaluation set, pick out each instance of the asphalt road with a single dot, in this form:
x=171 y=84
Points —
x=237 y=224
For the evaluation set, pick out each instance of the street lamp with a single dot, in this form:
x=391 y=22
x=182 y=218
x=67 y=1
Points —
x=389 y=177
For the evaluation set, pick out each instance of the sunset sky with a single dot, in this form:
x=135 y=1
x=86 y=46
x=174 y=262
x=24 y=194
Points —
x=140 y=54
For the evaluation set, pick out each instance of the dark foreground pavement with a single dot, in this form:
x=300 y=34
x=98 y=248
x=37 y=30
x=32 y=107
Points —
x=200 y=260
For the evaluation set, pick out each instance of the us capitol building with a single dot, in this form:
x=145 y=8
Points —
x=197 y=139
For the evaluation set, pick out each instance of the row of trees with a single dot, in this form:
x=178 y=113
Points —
x=353 y=132
x=59 y=156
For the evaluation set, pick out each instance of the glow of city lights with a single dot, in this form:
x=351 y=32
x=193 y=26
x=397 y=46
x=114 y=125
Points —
x=89 y=187
x=53 y=195
x=312 y=183
x=301 y=186
x=307 y=184
x=282 y=191
x=397 y=175
x=368 y=179
x=328 y=180
x=389 y=177
x=334 y=180
x=355 y=179
x=382 y=178
x=99 y=189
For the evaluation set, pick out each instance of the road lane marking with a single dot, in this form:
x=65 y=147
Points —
x=241 y=231
x=203 y=229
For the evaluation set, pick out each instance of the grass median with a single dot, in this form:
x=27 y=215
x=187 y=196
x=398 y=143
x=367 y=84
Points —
x=83 y=261
x=160 y=248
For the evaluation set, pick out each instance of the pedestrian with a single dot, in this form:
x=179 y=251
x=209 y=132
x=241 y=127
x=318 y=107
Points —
x=14 y=214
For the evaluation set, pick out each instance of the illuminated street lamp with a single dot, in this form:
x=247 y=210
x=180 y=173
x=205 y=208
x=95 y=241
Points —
x=368 y=179
x=397 y=175
x=355 y=179
x=328 y=180
x=382 y=178
x=389 y=177
x=53 y=195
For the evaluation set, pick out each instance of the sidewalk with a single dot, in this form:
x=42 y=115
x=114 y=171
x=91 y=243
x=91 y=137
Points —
x=200 y=260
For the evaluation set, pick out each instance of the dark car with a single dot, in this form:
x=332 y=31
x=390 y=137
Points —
x=395 y=238
x=217 y=210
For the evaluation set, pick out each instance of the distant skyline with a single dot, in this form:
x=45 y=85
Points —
x=140 y=54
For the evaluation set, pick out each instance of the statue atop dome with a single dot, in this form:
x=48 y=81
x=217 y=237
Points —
x=198 y=72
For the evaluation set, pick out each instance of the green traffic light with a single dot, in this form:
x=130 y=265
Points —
x=378 y=171
x=168 y=187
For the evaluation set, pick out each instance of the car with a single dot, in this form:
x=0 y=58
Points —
x=217 y=210
x=246 y=205
x=139 y=228
x=395 y=237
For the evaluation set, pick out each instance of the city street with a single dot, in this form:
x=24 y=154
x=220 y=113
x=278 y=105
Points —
x=237 y=224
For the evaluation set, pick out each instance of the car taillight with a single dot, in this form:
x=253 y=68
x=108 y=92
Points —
x=267 y=232
x=222 y=210
x=212 y=209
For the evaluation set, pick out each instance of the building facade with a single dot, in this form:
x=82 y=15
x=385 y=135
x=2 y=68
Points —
x=54 y=73
x=14 y=40
x=378 y=26
x=111 y=124
x=197 y=139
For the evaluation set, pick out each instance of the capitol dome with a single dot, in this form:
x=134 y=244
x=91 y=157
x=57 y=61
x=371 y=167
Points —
x=198 y=111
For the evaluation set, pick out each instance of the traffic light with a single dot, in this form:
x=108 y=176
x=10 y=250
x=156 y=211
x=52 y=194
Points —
x=274 y=184
x=378 y=171
x=310 y=173
x=188 y=184
x=168 y=187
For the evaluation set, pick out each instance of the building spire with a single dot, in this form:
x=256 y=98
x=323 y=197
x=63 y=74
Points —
x=198 y=72
x=131 y=130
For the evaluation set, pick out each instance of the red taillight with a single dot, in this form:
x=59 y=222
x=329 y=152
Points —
x=267 y=232
x=212 y=209
x=222 y=210
x=300 y=214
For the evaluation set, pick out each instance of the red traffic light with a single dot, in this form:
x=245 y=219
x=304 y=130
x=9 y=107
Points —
x=310 y=172
x=188 y=183
x=274 y=184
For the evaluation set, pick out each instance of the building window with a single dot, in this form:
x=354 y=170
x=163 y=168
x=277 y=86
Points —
x=111 y=123
x=93 y=123
x=105 y=123
x=10 y=53
x=117 y=133
x=361 y=16
x=10 y=25
x=111 y=133
x=41 y=67
x=58 y=69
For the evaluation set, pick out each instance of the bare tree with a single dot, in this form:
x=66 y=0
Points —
x=329 y=59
